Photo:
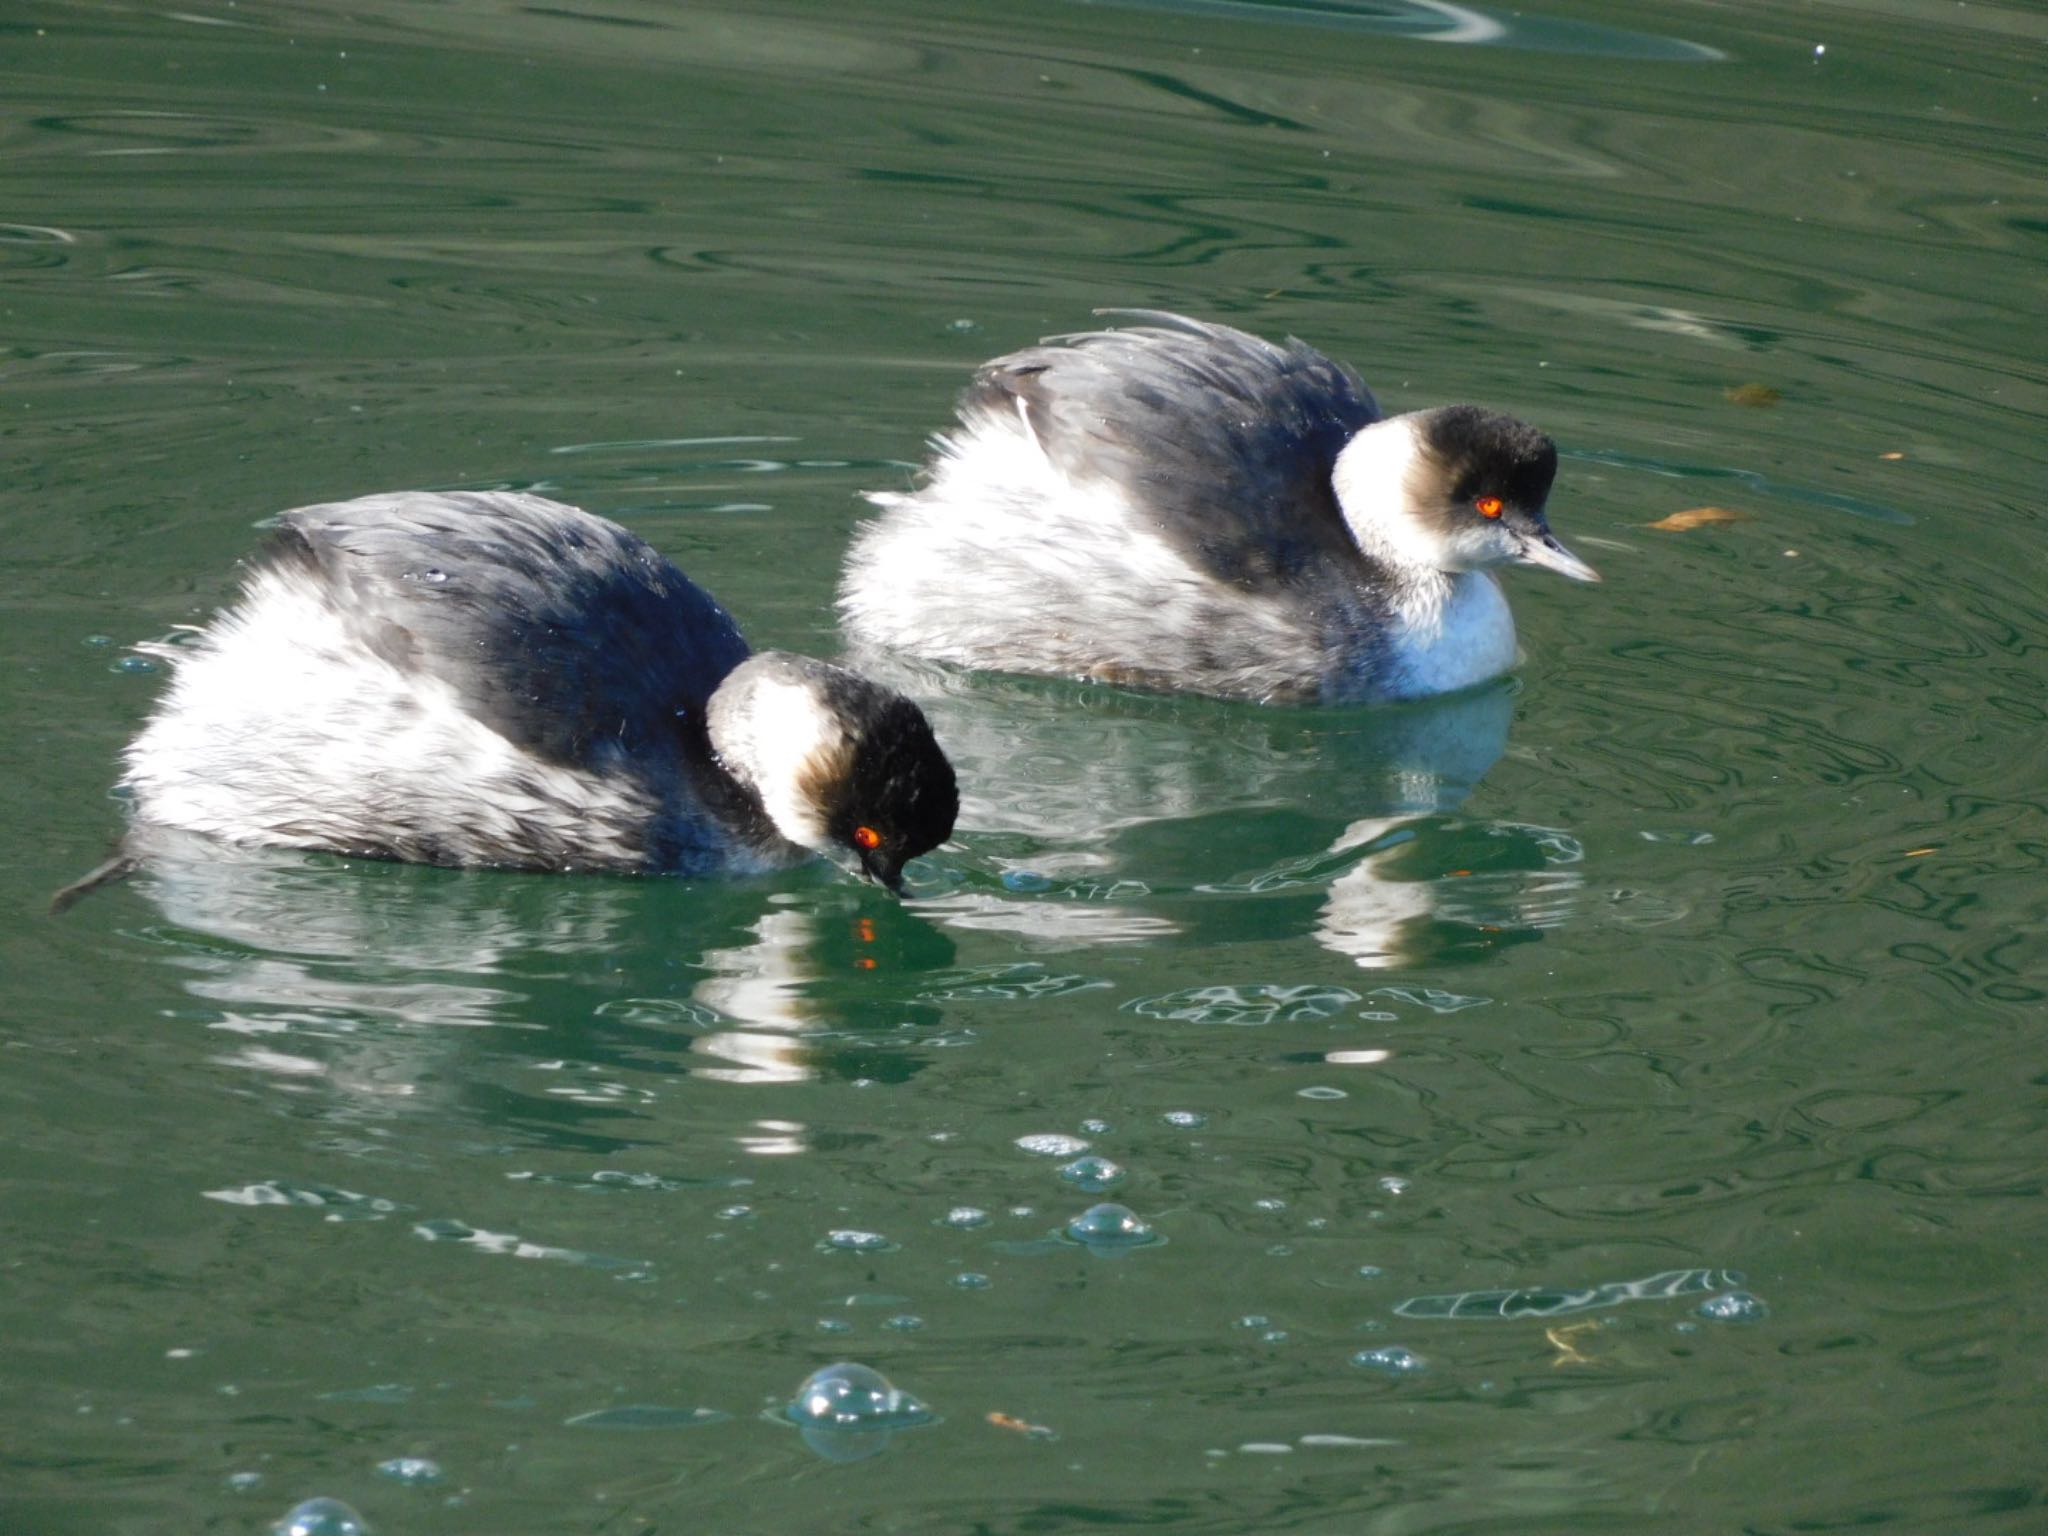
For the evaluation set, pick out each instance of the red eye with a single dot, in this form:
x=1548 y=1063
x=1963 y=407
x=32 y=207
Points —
x=1488 y=506
x=866 y=837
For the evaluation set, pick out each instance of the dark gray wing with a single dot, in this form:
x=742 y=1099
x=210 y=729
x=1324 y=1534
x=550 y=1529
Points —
x=1223 y=441
x=563 y=632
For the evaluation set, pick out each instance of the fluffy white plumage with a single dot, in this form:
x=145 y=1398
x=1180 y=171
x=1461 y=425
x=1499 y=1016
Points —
x=1182 y=505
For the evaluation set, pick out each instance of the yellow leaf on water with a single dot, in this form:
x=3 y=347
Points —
x=1699 y=517
x=1893 y=456
x=1021 y=1426
x=1756 y=396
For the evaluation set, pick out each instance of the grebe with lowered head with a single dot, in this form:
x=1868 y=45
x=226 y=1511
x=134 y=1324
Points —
x=1181 y=505
x=492 y=678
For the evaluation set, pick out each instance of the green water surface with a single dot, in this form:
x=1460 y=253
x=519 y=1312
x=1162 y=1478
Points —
x=1710 y=943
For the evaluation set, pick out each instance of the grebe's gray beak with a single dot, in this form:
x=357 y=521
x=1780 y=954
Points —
x=1543 y=550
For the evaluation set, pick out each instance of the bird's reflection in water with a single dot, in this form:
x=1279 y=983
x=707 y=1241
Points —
x=1093 y=816
x=1394 y=905
x=767 y=984
x=348 y=976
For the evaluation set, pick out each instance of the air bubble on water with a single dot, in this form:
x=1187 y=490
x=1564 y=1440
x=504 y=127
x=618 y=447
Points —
x=1390 y=1360
x=735 y=1212
x=964 y=1218
x=847 y=1411
x=851 y=1240
x=1320 y=1092
x=1269 y=1203
x=1110 y=1228
x=834 y=1325
x=1734 y=1307
x=972 y=1280
x=1185 y=1119
x=1093 y=1174
x=1052 y=1144
x=134 y=664
x=906 y=1322
x=1025 y=880
x=321 y=1517
x=1255 y=1320
x=1394 y=1184
x=1370 y=1271
x=1095 y=1127
x=97 y=641
x=242 y=1482
x=413 y=1471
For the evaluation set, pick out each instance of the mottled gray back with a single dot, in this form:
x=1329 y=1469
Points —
x=1224 y=440
x=566 y=634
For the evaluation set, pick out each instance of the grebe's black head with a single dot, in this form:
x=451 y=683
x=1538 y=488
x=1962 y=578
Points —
x=840 y=764
x=897 y=798
x=1456 y=488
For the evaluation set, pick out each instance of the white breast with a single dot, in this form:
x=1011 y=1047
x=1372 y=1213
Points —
x=1449 y=633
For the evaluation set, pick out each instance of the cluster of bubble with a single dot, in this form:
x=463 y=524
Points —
x=848 y=1412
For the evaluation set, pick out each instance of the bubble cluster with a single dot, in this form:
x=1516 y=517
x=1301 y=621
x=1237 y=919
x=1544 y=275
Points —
x=1110 y=1228
x=848 y=1412
x=1052 y=1144
x=1093 y=1174
x=1389 y=1360
x=413 y=1471
x=320 y=1517
x=1734 y=1307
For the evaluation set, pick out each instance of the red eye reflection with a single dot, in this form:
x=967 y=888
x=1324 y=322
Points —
x=866 y=837
x=1488 y=506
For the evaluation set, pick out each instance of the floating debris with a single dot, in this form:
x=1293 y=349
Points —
x=1757 y=397
x=1664 y=1286
x=1019 y=1426
x=1700 y=517
x=1568 y=1353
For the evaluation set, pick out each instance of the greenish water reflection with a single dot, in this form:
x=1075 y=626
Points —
x=1710 y=943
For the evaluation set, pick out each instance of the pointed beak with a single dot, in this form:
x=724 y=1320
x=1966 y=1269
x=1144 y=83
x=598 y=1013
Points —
x=884 y=870
x=1543 y=550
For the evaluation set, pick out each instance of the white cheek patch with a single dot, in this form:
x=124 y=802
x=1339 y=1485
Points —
x=780 y=737
x=1376 y=478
